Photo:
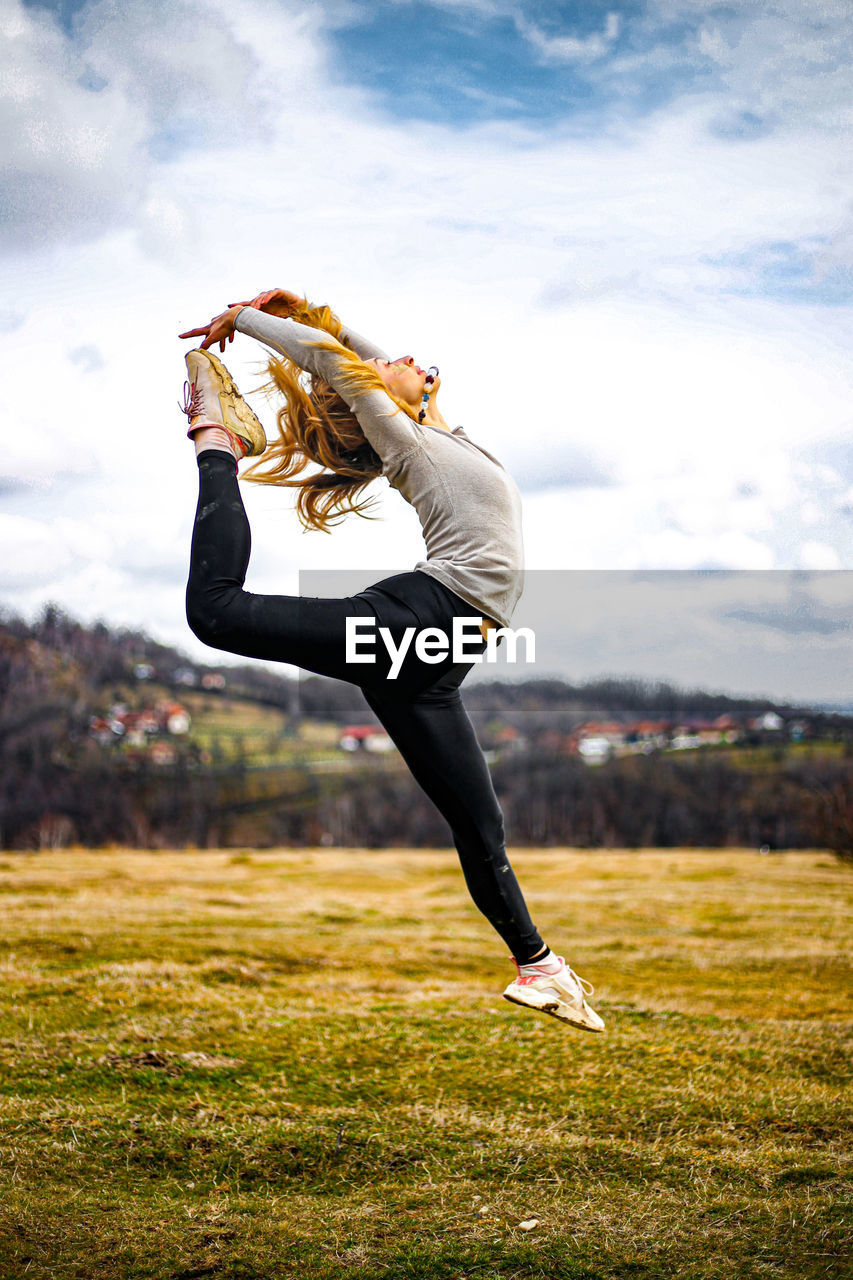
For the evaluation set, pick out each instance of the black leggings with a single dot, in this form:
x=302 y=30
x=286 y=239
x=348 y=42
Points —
x=421 y=709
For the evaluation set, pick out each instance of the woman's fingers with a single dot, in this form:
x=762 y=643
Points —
x=257 y=302
x=220 y=329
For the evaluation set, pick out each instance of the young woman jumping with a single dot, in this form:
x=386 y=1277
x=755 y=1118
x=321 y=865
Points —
x=358 y=415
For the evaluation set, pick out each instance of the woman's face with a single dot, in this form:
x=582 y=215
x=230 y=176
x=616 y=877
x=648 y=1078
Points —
x=402 y=377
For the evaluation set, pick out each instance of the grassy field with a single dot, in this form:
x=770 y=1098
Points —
x=253 y=1065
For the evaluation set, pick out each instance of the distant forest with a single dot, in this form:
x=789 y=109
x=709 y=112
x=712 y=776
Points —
x=59 y=787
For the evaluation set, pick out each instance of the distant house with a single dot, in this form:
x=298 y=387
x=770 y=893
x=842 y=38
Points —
x=645 y=735
x=595 y=749
x=136 y=727
x=769 y=720
x=695 y=732
x=728 y=728
x=708 y=736
x=596 y=740
x=175 y=718
x=364 y=737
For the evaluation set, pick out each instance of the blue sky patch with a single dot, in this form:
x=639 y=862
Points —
x=787 y=272
x=533 y=63
x=63 y=10
x=741 y=126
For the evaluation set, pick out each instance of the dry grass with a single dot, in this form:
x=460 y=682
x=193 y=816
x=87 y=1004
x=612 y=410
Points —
x=298 y=1063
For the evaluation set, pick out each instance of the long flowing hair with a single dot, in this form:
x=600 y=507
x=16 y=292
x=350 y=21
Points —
x=316 y=425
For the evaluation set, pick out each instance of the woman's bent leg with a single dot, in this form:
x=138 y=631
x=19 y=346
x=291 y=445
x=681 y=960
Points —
x=306 y=632
x=436 y=738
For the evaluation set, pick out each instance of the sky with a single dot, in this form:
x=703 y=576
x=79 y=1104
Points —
x=624 y=232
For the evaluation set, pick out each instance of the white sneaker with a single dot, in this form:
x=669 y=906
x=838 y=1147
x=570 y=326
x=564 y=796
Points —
x=562 y=994
x=212 y=394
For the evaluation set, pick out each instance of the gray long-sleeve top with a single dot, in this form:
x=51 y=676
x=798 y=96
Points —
x=468 y=504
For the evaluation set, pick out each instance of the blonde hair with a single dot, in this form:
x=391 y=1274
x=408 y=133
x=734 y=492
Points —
x=316 y=425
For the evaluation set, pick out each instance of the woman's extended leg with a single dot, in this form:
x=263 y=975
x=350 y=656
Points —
x=436 y=738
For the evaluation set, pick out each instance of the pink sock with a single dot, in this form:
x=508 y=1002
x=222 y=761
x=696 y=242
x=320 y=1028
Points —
x=546 y=963
x=212 y=435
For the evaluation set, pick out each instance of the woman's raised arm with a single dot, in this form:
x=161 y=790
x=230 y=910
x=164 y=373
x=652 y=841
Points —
x=388 y=428
x=362 y=347
x=284 y=303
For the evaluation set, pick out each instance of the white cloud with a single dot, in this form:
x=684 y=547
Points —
x=39 y=556
x=87 y=357
x=84 y=119
x=787 y=60
x=569 y=48
x=817 y=555
x=73 y=158
x=184 y=68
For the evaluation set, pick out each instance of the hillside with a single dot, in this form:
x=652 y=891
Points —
x=109 y=736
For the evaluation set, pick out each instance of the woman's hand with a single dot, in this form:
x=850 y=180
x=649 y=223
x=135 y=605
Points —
x=276 y=302
x=220 y=329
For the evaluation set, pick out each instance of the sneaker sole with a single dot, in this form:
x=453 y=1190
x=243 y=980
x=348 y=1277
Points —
x=556 y=1009
x=235 y=408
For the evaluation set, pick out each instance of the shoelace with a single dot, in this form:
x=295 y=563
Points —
x=192 y=406
x=585 y=985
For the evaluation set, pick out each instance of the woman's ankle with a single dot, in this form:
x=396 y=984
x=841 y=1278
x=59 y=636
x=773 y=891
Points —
x=545 y=961
x=213 y=437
